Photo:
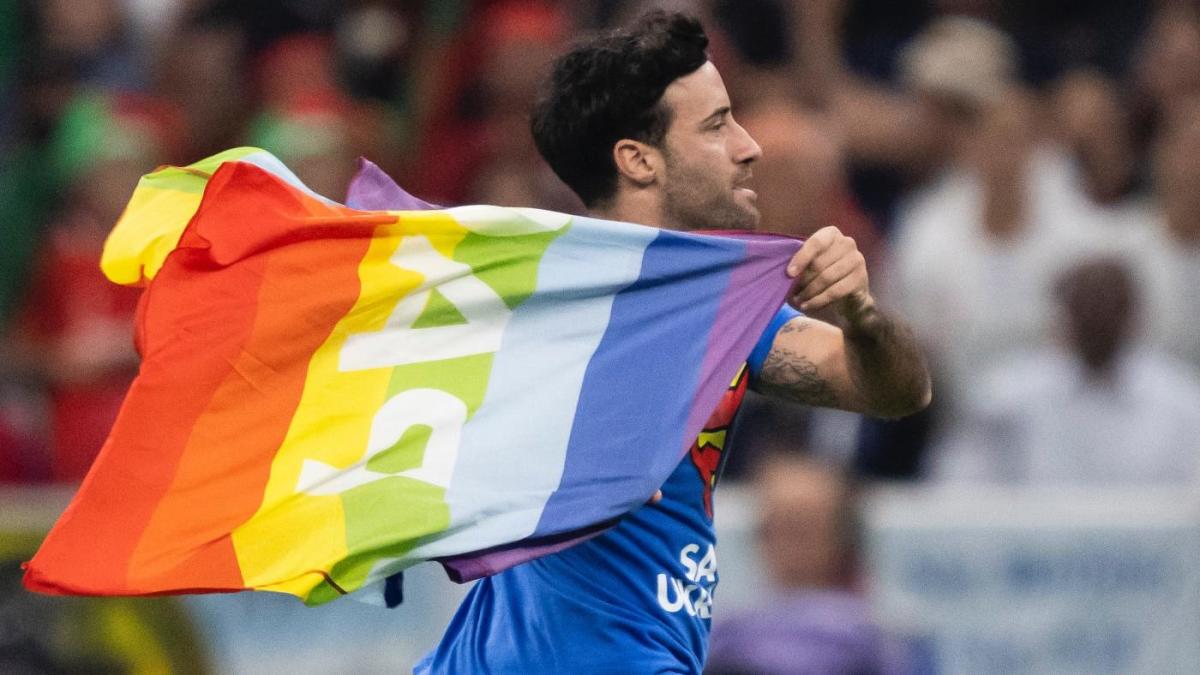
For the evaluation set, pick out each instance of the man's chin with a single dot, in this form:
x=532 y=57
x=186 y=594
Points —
x=750 y=218
x=745 y=202
x=733 y=219
x=731 y=214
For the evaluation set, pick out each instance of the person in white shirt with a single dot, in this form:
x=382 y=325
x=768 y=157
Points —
x=1104 y=409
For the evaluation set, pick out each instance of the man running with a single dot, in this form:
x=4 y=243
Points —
x=638 y=123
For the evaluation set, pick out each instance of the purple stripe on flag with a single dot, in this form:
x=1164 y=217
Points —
x=373 y=190
x=761 y=273
x=479 y=564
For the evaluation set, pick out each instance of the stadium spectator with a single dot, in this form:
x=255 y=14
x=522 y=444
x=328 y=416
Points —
x=1094 y=189
x=1167 y=70
x=974 y=254
x=96 y=39
x=76 y=330
x=483 y=114
x=815 y=620
x=203 y=71
x=305 y=120
x=1093 y=123
x=1101 y=410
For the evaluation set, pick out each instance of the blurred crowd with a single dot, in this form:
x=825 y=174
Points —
x=1023 y=177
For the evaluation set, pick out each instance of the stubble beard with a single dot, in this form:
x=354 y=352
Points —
x=693 y=200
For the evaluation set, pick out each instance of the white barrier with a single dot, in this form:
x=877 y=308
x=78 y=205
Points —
x=982 y=581
x=999 y=581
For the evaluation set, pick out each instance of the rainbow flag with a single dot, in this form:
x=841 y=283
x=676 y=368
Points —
x=329 y=395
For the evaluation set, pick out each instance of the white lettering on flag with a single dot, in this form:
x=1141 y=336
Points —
x=398 y=343
x=443 y=413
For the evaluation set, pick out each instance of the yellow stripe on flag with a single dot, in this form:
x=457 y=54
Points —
x=150 y=229
x=295 y=535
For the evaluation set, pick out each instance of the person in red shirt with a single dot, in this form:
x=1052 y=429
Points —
x=75 y=330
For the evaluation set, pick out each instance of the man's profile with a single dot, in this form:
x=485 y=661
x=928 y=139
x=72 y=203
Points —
x=638 y=123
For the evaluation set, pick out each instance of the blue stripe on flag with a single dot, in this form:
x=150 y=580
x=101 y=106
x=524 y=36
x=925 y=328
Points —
x=648 y=361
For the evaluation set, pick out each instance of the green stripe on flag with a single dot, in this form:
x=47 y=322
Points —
x=388 y=517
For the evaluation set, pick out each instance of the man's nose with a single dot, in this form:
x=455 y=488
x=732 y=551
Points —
x=745 y=149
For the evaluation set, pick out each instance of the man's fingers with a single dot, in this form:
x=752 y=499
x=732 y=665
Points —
x=827 y=268
x=655 y=498
x=839 y=290
x=827 y=273
x=813 y=247
x=835 y=272
x=834 y=250
x=803 y=258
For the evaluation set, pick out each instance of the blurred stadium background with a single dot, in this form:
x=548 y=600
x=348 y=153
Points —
x=1024 y=178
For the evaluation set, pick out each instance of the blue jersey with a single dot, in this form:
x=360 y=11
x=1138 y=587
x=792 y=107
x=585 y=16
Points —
x=636 y=599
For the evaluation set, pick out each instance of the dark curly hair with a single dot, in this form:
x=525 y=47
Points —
x=610 y=87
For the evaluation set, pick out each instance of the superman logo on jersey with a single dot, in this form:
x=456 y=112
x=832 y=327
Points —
x=708 y=451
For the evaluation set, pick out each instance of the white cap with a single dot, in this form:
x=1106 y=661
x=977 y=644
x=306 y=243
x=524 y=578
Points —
x=960 y=57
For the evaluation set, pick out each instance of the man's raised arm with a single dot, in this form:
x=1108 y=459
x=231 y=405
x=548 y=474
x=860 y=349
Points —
x=869 y=362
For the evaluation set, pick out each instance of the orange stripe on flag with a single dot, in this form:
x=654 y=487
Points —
x=228 y=330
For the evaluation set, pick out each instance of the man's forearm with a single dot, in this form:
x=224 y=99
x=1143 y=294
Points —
x=885 y=364
x=861 y=358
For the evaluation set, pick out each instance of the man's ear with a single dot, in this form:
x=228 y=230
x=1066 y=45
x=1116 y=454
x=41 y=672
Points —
x=638 y=162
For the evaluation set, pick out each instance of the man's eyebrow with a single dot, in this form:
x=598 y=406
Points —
x=717 y=114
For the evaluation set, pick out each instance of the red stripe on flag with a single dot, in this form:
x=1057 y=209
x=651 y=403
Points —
x=259 y=280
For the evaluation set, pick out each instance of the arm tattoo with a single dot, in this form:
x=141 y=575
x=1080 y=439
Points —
x=791 y=375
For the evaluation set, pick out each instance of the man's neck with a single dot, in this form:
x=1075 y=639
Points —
x=639 y=209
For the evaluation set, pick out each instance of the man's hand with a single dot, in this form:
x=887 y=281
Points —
x=830 y=272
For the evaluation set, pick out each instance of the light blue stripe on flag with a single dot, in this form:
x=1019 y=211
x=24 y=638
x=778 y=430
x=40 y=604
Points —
x=516 y=444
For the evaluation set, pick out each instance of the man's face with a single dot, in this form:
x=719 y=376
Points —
x=802 y=529
x=708 y=158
